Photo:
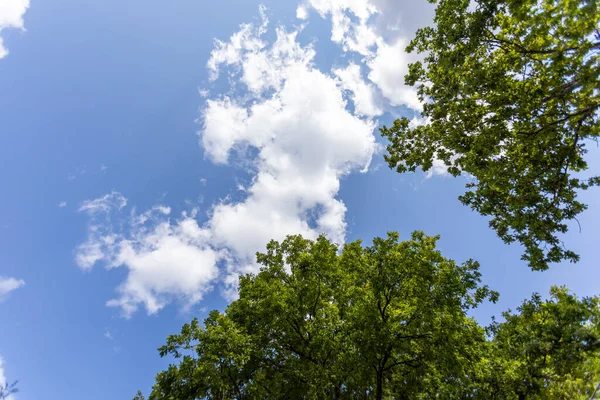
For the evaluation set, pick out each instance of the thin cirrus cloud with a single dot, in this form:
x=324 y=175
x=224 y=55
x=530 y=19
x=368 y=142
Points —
x=11 y=16
x=306 y=136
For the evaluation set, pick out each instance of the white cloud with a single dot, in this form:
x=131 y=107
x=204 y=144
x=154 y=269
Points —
x=11 y=13
x=438 y=168
x=170 y=261
x=388 y=68
x=165 y=260
x=3 y=50
x=357 y=26
x=62 y=204
x=7 y=285
x=363 y=94
x=303 y=139
x=3 y=380
x=11 y=16
x=351 y=27
x=104 y=204
x=302 y=12
x=417 y=121
x=2 y=377
x=230 y=53
x=306 y=141
x=402 y=18
x=379 y=19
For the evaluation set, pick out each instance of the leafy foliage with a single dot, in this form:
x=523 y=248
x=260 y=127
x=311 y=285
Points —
x=549 y=350
x=385 y=321
x=139 y=396
x=382 y=321
x=511 y=97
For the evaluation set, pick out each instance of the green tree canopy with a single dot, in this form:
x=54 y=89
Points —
x=511 y=97
x=369 y=322
x=385 y=321
x=549 y=350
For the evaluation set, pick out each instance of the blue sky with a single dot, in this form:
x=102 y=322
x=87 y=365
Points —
x=143 y=164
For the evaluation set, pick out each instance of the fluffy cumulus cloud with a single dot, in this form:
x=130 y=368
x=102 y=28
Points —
x=378 y=30
x=298 y=130
x=304 y=140
x=7 y=285
x=11 y=16
x=165 y=259
x=362 y=93
x=387 y=70
x=296 y=117
x=350 y=21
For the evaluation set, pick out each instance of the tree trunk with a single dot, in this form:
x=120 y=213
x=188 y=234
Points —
x=379 y=388
x=338 y=391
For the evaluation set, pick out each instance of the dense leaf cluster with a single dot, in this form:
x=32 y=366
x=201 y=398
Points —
x=386 y=321
x=511 y=94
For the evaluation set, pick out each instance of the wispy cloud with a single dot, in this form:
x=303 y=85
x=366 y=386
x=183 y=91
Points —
x=104 y=204
x=166 y=260
x=7 y=285
x=79 y=171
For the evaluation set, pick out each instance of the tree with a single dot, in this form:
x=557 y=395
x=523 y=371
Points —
x=385 y=321
x=511 y=97
x=139 y=396
x=549 y=350
x=367 y=322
